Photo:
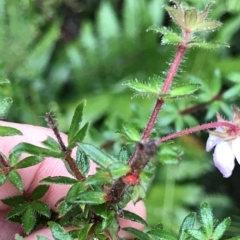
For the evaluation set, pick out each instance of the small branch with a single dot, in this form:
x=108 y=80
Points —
x=68 y=158
x=196 y=129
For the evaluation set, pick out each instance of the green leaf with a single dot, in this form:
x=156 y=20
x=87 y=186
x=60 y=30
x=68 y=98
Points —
x=64 y=208
x=97 y=155
x=29 y=161
x=15 y=178
x=187 y=223
x=118 y=170
x=221 y=228
x=39 y=191
x=162 y=30
x=75 y=190
x=207 y=219
x=183 y=91
x=84 y=232
x=17 y=210
x=76 y=121
x=142 y=87
x=137 y=233
x=169 y=154
x=18 y=237
x=29 y=220
x=82 y=162
x=162 y=234
x=80 y=135
x=35 y=150
x=52 y=144
x=4 y=106
x=14 y=158
x=4 y=81
x=3 y=179
x=130 y=132
x=206 y=26
x=59 y=180
x=133 y=217
x=172 y=38
x=99 y=178
x=42 y=208
x=58 y=232
x=14 y=201
x=42 y=238
x=207 y=45
x=196 y=234
x=90 y=197
x=9 y=131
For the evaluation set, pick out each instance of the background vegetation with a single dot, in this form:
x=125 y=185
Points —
x=57 y=52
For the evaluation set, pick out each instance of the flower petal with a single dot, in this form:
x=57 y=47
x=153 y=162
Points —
x=213 y=141
x=223 y=159
x=236 y=148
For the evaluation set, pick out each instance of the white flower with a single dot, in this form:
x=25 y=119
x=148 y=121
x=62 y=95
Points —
x=227 y=145
x=224 y=154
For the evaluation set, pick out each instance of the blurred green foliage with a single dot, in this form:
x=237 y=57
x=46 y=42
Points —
x=57 y=52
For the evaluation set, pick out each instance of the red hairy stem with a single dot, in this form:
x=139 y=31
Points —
x=196 y=129
x=172 y=72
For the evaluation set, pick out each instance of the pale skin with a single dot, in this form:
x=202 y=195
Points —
x=31 y=177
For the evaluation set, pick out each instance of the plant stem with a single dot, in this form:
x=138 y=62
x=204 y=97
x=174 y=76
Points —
x=68 y=158
x=196 y=129
x=172 y=72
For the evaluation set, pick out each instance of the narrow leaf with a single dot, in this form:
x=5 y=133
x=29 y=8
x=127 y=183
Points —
x=14 y=158
x=42 y=208
x=29 y=220
x=76 y=121
x=59 y=180
x=196 y=234
x=4 y=81
x=29 y=161
x=142 y=87
x=162 y=234
x=221 y=228
x=52 y=144
x=15 y=178
x=58 y=232
x=17 y=210
x=99 y=178
x=207 y=45
x=184 y=90
x=133 y=217
x=118 y=170
x=171 y=38
x=14 y=201
x=35 y=150
x=90 y=197
x=4 y=106
x=18 y=237
x=84 y=232
x=9 y=131
x=207 y=219
x=187 y=223
x=3 y=179
x=42 y=238
x=137 y=233
x=80 y=135
x=130 y=132
x=75 y=190
x=39 y=191
x=97 y=155
x=82 y=162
